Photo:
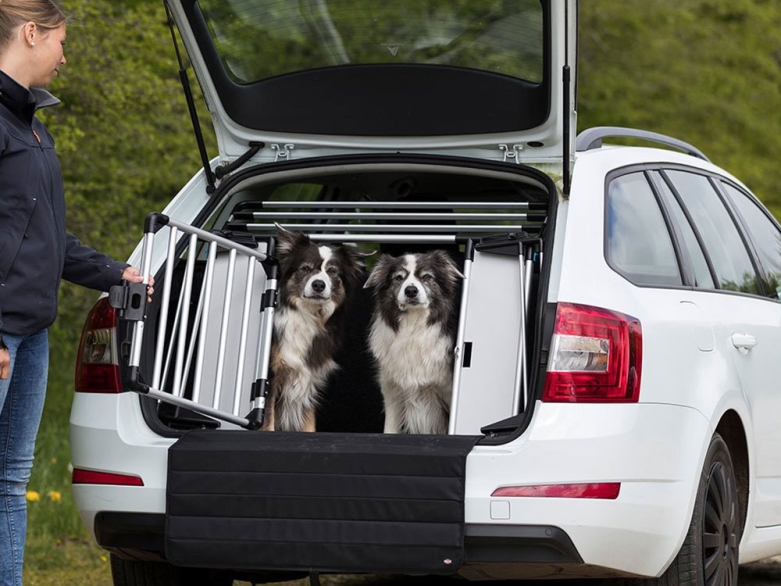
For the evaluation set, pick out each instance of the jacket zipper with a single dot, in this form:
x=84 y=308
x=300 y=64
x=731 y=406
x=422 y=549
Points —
x=38 y=138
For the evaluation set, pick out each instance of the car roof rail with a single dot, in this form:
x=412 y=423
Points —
x=592 y=139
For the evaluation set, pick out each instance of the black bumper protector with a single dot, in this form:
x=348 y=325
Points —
x=323 y=502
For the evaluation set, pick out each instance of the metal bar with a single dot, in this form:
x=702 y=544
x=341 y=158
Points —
x=199 y=312
x=395 y=205
x=460 y=228
x=206 y=295
x=224 y=329
x=519 y=388
x=174 y=331
x=458 y=350
x=527 y=296
x=224 y=242
x=264 y=347
x=245 y=313
x=166 y=301
x=197 y=407
x=346 y=216
x=138 y=330
x=383 y=238
x=188 y=289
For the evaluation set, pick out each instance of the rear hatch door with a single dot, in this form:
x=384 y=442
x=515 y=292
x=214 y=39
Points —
x=475 y=78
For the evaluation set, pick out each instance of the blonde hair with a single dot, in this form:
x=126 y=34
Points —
x=14 y=13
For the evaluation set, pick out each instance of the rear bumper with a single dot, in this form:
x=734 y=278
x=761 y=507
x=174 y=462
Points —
x=654 y=451
x=140 y=536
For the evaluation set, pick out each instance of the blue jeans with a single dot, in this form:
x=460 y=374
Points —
x=21 y=404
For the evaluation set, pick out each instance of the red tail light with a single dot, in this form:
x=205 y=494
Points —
x=92 y=477
x=97 y=367
x=605 y=490
x=596 y=356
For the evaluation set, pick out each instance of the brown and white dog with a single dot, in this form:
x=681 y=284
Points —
x=314 y=281
x=412 y=338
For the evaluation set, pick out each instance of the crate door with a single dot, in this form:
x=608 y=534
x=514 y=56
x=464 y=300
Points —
x=489 y=359
x=238 y=367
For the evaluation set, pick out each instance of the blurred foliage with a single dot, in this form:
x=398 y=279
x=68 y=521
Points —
x=704 y=71
x=122 y=132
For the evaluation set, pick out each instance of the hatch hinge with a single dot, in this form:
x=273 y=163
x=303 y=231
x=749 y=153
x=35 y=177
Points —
x=511 y=153
x=282 y=151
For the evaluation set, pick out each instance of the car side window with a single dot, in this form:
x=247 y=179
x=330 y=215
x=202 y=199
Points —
x=638 y=243
x=703 y=279
x=718 y=231
x=765 y=235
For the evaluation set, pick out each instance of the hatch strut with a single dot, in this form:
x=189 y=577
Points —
x=566 y=82
x=188 y=94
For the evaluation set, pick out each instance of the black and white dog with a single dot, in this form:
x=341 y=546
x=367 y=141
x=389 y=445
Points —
x=412 y=338
x=314 y=281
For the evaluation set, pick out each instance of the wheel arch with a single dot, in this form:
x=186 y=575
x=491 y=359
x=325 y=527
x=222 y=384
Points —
x=732 y=431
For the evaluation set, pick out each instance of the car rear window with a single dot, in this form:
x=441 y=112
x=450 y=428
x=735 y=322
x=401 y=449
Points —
x=638 y=244
x=722 y=240
x=260 y=39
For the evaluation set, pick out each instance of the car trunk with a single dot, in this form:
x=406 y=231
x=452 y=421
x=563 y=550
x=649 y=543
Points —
x=491 y=219
x=232 y=493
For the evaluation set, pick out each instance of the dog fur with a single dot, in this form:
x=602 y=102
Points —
x=412 y=338
x=314 y=282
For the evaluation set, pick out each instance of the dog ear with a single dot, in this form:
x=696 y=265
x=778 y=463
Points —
x=356 y=255
x=378 y=272
x=287 y=240
x=453 y=272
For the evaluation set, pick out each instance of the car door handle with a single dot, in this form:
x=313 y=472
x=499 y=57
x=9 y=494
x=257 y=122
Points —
x=744 y=342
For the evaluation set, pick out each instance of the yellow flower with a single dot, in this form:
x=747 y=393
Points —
x=33 y=496
x=55 y=496
x=103 y=558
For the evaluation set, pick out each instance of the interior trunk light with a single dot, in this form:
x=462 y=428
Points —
x=596 y=356
x=605 y=490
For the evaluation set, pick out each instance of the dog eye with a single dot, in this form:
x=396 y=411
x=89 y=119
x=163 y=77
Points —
x=305 y=269
x=426 y=277
x=332 y=271
x=398 y=277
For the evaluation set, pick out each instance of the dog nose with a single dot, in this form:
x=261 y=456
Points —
x=318 y=286
x=411 y=291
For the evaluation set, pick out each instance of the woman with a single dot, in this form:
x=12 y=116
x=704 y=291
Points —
x=35 y=252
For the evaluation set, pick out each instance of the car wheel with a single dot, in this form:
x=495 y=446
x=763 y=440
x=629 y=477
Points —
x=709 y=555
x=136 y=573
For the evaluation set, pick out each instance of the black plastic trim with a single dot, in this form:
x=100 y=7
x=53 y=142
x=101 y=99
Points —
x=531 y=544
x=381 y=99
x=134 y=534
x=141 y=536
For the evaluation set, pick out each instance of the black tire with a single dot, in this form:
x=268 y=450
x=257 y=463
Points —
x=709 y=554
x=136 y=573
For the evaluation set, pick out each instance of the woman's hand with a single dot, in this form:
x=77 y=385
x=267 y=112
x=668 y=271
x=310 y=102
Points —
x=133 y=275
x=5 y=364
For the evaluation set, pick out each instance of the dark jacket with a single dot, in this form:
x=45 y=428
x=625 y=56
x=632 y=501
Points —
x=35 y=250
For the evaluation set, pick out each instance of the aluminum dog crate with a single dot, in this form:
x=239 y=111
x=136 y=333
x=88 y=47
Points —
x=216 y=361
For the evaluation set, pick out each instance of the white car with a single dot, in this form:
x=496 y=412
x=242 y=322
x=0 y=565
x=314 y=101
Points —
x=616 y=393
